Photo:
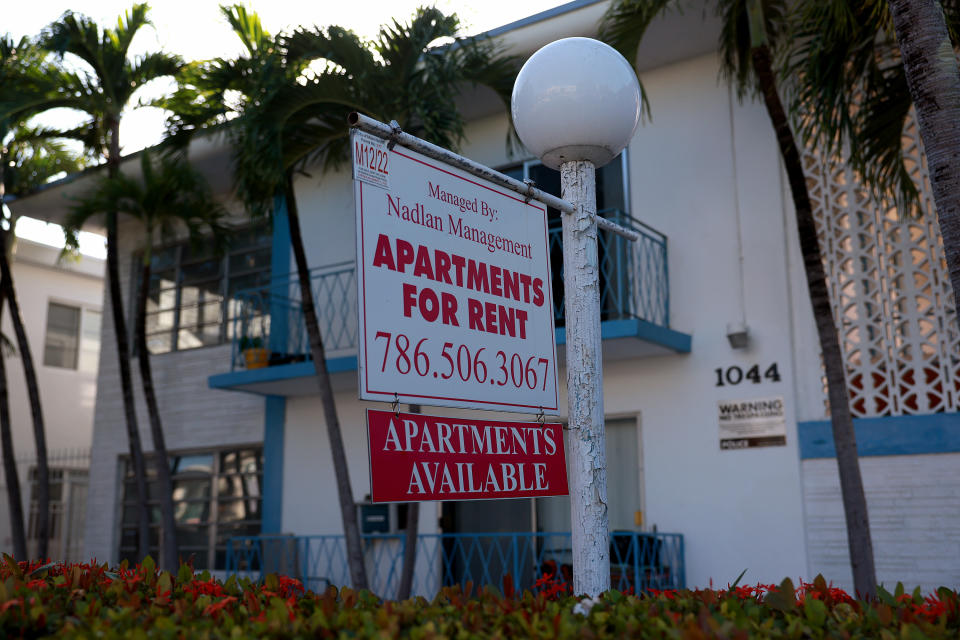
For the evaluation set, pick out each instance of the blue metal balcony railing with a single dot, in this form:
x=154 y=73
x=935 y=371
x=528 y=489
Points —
x=634 y=280
x=641 y=561
x=633 y=284
x=274 y=315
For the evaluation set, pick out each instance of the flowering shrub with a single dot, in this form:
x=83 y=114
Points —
x=87 y=600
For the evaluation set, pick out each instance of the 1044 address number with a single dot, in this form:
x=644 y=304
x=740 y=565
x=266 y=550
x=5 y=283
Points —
x=734 y=375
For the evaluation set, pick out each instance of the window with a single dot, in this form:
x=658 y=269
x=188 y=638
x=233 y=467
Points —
x=192 y=297
x=68 y=498
x=61 y=345
x=73 y=338
x=611 y=185
x=216 y=495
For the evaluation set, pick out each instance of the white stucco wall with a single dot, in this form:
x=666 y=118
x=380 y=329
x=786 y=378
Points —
x=914 y=507
x=67 y=395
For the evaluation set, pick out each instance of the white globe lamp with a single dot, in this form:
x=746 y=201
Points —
x=576 y=99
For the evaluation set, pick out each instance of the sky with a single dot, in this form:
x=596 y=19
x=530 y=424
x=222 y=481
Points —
x=195 y=30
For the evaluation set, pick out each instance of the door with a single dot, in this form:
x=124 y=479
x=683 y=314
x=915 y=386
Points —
x=482 y=549
x=624 y=491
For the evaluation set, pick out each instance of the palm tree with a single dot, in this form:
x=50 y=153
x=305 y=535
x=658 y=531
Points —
x=751 y=34
x=12 y=479
x=934 y=82
x=27 y=157
x=103 y=90
x=857 y=81
x=291 y=117
x=169 y=198
x=301 y=122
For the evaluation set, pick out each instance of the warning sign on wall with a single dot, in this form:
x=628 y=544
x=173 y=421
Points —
x=752 y=423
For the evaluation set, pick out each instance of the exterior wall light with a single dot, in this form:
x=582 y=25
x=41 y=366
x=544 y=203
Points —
x=576 y=104
x=738 y=334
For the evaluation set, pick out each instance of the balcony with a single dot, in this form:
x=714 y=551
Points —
x=638 y=560
x=634 y=304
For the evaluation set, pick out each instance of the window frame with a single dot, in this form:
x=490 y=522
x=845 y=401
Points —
x=179 y=262
x=529 y=163
x=213 y=500
x=82 y=323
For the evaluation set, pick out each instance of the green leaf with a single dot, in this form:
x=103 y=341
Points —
x=271 y=582
x=165 y=582
x=815 y=611
x=739 y=577
x=12 y=565
x=185 y=574
x=885 y=596
x=148 y=569
x=784 y=598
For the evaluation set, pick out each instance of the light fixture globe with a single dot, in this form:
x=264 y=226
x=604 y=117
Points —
x=576 y=99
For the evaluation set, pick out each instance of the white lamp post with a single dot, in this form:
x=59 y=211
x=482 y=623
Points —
x=576 y=105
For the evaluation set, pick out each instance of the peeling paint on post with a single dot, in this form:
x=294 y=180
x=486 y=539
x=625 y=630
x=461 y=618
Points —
x=590 y=527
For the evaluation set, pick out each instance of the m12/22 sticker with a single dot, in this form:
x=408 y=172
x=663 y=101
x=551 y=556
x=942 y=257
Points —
x=371 y=159
x=734 y=375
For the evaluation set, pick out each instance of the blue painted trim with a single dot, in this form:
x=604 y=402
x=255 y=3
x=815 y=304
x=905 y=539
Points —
x=244 y=377
x=891 y=436
x=640 y=329
x=537 y=17
x=279 y=278
x=275 y=410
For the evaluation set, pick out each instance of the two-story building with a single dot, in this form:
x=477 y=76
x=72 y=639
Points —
x=60 y=305
x=719 y=261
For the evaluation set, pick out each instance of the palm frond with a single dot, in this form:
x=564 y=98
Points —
x=623 y=26
x=848 y=91
x=168 y=198
x=33 y=156
x=150 y=67
x=247 y=26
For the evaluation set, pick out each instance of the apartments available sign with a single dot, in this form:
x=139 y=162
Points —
x=456 y=306
x=416 y=457
x=752 y=423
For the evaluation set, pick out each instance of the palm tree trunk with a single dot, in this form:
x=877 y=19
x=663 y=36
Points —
x=348 y=508
x=934 y=82
x=409 y=542
x=123 y=355
x=844 y=438
x=33 y=392
x=14 y=502
x=170 y=560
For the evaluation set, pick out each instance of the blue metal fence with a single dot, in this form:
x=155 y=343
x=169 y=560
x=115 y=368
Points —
x=633 y=280
x=638 y=560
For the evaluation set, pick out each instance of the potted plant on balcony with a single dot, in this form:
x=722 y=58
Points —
x=255 y=356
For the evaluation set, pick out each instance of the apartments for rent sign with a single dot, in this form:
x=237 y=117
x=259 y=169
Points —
x=415 y=457
x=455 y=295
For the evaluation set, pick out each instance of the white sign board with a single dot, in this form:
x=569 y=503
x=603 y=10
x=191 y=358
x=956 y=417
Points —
x=456 y=306
x=745 y=424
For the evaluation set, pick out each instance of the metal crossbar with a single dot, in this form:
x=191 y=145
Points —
x=393 y=133
x=639 y=561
